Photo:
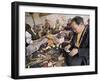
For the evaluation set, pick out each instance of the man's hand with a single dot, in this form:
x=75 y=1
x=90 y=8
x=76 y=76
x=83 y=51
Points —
x=73 y=52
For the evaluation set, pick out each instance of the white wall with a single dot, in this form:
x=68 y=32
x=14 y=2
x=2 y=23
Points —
x=5 y=40
x=29 y=20
x=63 y=18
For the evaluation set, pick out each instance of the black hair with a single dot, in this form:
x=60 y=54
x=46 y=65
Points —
x=78 y=20
x=27 y=27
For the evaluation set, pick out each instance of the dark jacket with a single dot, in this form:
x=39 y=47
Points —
x=82 y=58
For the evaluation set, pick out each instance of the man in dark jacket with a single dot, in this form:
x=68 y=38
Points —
x=79 y=51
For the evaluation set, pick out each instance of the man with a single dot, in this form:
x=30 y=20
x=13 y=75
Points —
x=57 y=26
x=46 y=27
x=30 y=33
x=68 y=26
x=79 y=51
x=28 y=36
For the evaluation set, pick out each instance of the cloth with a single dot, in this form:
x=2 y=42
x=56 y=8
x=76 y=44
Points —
x=28 y=38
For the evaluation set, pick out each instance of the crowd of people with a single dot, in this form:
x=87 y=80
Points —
x=58 y=45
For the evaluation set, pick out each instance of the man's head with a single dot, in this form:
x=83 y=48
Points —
x=27 y=27
x=46 y=20
x=69 y=20
x=77 y=24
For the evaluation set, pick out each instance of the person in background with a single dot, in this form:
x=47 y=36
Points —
x=79 y=51
x=46 y=27
x=68 y=26
x=28 y=36
x=32 y=32
x=57 y=26
x=28 y=41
